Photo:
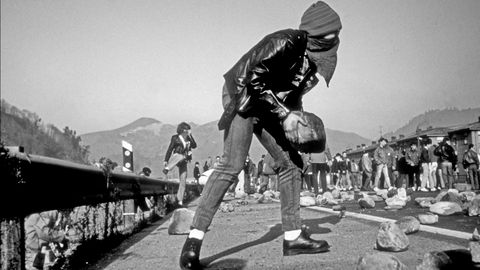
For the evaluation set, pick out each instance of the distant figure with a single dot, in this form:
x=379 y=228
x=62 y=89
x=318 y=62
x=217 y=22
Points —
x=46 y=240
x=320 y=167
x=470 y=161
x=447 y=159
x=382 y=157
x=181 y=146
x=208 y=164
x=425 y=165
x=366 y=168
x=412 y=157
x=196 y=172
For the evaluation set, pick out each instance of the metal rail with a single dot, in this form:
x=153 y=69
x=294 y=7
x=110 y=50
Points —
x=44 y=183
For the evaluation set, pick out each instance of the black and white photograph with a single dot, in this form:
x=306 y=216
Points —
x=245 y=135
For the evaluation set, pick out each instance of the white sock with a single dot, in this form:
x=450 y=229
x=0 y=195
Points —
x=197 y=234
x=292 y=235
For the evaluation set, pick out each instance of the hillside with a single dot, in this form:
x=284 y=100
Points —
x=438 y=118
x=150 y=139
x=24 y=128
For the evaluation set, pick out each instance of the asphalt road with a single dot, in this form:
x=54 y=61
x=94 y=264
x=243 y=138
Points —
x=251 y=238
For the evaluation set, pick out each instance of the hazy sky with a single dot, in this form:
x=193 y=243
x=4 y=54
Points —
x=97 y=65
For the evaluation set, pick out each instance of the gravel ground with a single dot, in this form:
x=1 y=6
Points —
x=251 y=238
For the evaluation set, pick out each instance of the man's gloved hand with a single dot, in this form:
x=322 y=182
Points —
x=294 y=118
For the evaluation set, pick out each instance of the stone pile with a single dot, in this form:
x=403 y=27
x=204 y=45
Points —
x=391 y=238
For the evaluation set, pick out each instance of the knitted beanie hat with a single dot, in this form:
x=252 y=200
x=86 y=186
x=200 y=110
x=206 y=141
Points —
x=320 y=19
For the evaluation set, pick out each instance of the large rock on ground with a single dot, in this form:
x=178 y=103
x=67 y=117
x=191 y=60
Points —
x=468 y=195
x=265 y=199
x=269 y=193
x=395 y=201
x=376 y=198
x=382 y=193
x=306 y=201
x=448 y=259
x=320 y=200
x=427 y=219
x=276 y=195
x=474 y=207
x=424 y=199
x=226 y=207
x=180 y=221
x=474 y=248
x=408 y=224
x=445 y=208
x=366 y=202
x=379 y=261
x=402 y=193
x=347 y=196
x=392 y=192
x=440 y=196
x=475 y=235
x=336 y=194
x=240 y=194
x=391 y=238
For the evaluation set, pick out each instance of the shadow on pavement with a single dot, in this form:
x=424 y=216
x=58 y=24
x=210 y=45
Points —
x=272 y=234
x=234 y=264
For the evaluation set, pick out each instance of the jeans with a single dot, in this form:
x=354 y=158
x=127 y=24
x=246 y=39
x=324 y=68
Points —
x=237 y=140
x=427 y=176
x=447 y=173
x=473 y=175
x=366 y=177
x=179 y=161
x=432 y=167
x=382 y=168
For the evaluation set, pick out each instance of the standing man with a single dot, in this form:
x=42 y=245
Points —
x=262 y=96
x=320 y=167
x=181 y=146
x=470 y=159
x=366 y=168
x=412 y=157
x=382 y=157
x=425 y=164
x=446 y=159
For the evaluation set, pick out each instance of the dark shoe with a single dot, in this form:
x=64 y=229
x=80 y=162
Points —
x=165 y=171
x=304 y=245
x=189 y=258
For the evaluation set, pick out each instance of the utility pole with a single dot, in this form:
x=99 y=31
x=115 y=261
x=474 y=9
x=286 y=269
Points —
x=381 y=132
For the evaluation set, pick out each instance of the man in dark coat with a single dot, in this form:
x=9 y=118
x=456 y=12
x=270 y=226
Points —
x=262 y=96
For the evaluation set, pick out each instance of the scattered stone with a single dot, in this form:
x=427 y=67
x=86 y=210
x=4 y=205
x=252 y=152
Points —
x=307 y=193
x=264 y=199
x=408 y=224
x=424 y=199
x=475 y=235
x=427 y=218
x=474 y=207
x=474 y=248
x=380 y=261
x=453 y=197
x=256 y=196
x=180 y=221
x=402 y=193
x=445 y=208
x=425 y=204
x=382 y=193
x=336 y=193
x=320 y=200
x=226 y=207
x=240 y=195
x=395 y=201
x=269 y=193
x=434 y=260
x=391 y=193
x=440 y=196
x=391 y=238
x=409 y=191
x=276 y=195
x=376 y=198
x=328 y=195
x=332 y=202
x=242 y=202
x=338 y=208
x=306 y=201
x=346 y=196
x=468 y=195
x=366 y=202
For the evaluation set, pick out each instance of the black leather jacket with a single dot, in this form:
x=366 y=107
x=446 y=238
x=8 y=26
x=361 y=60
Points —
x=276 y=67
x=176 y=146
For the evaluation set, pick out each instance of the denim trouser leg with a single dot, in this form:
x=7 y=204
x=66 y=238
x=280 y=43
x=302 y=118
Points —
x=237 y=140
x=287 y=165
x=447 y=173
x=182 y=173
